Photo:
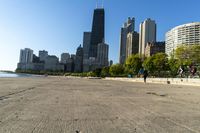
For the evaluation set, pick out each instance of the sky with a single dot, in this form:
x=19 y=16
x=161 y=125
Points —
x=58 y=25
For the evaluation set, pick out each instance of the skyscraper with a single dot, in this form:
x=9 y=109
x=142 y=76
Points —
x=26 y=56
x=97 y=35
x=132 y=44
x=64 y=57
x=128 y=27
x=147 y=34
x=79 y=60
x=102 y=54
x=86 y=44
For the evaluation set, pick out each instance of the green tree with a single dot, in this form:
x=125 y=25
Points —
x=195 y=54
x=188 y=54
x=105 y=72
x=97 y=72
x=160 y=61
x=174 y=65
x=156 y=63
x=183 y=53
x=149 y=65
x=116 y=70
x=133 y=64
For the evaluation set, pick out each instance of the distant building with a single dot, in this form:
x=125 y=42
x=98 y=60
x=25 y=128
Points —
x=132 y=44
x=52 y=64
x=102 y=54
x=29 y=61
x=147 y=34
x=79 y=60
x=70 y=65
x=64 y=57
x=73 y=56
x=89 y=64
x=154 y=47
x=36 y=59
x=97 y=34
x=42 y=55
x=86 y=65
x=26 y=56
x=86 y=44
x=186 y=34
x=110 y=63
x=128 y=27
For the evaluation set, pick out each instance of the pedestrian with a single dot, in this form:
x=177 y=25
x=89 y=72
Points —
x=145 y=74
x=194 y=70
x=180 y=71
x=141 y=72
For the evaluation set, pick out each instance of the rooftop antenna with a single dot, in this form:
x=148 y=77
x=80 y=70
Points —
x=96 y=3
x=102 y=3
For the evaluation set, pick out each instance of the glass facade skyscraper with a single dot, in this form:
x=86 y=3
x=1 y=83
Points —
x=97 y=35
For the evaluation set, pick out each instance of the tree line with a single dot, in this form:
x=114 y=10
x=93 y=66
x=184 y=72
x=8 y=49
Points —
x=158 y=65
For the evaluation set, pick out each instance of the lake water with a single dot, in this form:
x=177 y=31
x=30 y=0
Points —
x=13 y=75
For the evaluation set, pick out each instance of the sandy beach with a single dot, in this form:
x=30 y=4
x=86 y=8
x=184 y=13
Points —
x=70 y=105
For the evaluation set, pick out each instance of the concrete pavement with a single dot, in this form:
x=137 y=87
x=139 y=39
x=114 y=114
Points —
x=70 y=105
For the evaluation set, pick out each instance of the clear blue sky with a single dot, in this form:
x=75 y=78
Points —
x=58 y=25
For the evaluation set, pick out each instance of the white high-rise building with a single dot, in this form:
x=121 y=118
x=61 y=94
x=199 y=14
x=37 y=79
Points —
x=147 y=34
x=26 y=56
x=186 y=34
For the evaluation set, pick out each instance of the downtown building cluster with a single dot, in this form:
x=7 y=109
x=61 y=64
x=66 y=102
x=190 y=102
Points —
x=145 y=44
x=93 y=54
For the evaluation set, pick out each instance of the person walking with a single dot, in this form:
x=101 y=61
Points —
x=145 y=74
x=194 y=70
x=180 y=71
x=141 y=72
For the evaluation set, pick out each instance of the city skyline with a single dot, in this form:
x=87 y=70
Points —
x=35 y=25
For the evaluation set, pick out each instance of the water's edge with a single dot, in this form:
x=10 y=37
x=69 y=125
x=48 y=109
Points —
x=14 y=75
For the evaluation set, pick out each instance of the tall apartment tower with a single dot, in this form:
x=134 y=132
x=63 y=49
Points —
x=187 y=34
x=147 y=34
x=102 y=54
x=97 y=35
x=128 y=27
x=86 y=44
x=132 y=44
x=26 y=56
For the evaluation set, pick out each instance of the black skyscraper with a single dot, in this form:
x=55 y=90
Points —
x=97 y=35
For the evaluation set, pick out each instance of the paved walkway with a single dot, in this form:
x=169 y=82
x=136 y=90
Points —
x=70 y=105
